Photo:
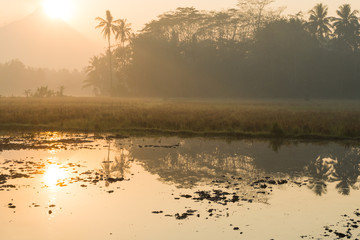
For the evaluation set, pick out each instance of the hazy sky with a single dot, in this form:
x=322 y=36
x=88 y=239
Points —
x=139 y=12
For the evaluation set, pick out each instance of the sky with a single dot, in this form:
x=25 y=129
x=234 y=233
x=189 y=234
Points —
x=138 y=12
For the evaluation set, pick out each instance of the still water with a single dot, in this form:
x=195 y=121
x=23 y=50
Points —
x=77 y=186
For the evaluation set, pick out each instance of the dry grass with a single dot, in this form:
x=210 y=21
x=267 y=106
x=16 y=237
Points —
x=328 y=119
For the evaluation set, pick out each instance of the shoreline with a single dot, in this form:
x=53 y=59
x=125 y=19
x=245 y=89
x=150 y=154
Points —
x=127 y=133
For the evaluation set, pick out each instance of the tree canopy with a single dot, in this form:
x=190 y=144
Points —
x=244 y=52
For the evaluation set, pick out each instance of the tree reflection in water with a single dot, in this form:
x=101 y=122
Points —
x=117 y=169
x=239 y=164
x=346 y=172
x=121 y=166
x=319 y=172
x=186 y=170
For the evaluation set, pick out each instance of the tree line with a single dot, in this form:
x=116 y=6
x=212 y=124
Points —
x=248 y=51
x=16 y=79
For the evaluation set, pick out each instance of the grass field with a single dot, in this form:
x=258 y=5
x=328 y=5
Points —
x=294 y=119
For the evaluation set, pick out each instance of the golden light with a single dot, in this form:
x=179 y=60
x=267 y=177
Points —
x=53 y=174
x=59 y=9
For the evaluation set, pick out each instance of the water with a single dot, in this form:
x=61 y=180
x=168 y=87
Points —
x=66 y=186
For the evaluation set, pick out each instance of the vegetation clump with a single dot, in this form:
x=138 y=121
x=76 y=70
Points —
x=45 y=92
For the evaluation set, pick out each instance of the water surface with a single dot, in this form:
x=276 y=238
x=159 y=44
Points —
x=67 y=186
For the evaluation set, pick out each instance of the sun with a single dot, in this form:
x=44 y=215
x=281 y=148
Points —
x=58 y=9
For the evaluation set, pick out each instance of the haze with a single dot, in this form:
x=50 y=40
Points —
x=173 y=119
x=138 y=12
x=197 y=49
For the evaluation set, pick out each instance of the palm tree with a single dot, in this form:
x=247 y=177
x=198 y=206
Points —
x=96 y=75
x=319 y=23
x=109 y=26
x=123 y=32
x=347 y=25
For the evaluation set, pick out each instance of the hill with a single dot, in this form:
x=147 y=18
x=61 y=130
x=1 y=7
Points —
x=40 y=41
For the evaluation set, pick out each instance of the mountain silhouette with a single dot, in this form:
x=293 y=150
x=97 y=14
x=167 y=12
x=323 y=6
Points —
x=39 y=41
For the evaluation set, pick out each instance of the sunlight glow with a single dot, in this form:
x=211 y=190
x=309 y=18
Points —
x=58 y=9
x=54 y=174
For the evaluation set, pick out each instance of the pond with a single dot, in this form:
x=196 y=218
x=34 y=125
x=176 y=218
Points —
x=82 y=186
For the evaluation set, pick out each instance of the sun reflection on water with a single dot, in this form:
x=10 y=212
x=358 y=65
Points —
x=53 y=151
x=51 y=136
x=54 y=174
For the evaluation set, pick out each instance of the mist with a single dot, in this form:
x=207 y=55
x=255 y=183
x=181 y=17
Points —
x=204 y=124
x=250 y=51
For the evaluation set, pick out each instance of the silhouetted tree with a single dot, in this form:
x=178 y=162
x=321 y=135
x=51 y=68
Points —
x=123 y=32
x=347 y=26
x=18 y=79
x=284 y=50
x=43 y=92
x=27 y=93
x=123 y=59
x=60 y=92
x=257 y=12
x=319 y=23
x=108 y=25
x=246 y=52
x=97 y=75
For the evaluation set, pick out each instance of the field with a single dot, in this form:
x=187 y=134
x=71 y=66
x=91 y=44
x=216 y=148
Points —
x=243 y=118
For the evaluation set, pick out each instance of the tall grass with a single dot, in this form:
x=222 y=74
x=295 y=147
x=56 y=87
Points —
x=326 y=119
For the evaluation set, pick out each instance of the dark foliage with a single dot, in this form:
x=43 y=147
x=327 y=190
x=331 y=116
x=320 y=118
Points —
x=191 y=53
